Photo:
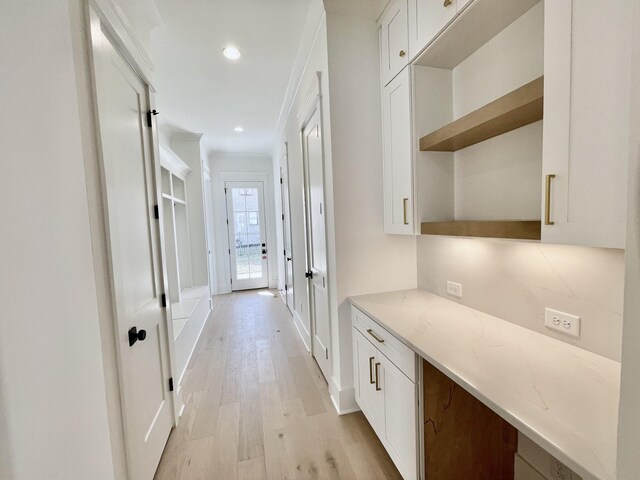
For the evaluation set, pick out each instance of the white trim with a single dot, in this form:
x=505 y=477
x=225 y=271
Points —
x=311 y=102
x=302 y=330
x=172 y=161
x=344 y=400
x=124 y=36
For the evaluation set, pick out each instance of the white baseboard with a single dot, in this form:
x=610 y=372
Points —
x=302 y=331
x=344 y=400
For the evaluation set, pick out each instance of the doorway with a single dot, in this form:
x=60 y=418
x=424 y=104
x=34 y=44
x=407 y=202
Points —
x=130 y=185
x=247 y=232
x=286 y=233
x=315 y=232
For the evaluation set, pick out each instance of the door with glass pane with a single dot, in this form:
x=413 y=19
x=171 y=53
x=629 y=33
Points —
x=247 y=235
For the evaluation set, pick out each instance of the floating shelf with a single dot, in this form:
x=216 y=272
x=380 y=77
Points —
x=513 y=110
x=517 y=229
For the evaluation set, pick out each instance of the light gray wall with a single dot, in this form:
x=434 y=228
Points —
x=53 y=408
x=628 y=431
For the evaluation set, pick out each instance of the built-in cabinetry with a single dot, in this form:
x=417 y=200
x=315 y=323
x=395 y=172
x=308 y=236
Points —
x=386 y=389
x=188 y=297
x=463 y=119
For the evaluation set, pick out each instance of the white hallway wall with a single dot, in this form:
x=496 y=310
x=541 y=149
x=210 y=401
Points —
x=53 y=406
x=362 y=259
x=222 y=165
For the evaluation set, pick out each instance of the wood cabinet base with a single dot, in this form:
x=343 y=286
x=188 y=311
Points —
x=464 y=439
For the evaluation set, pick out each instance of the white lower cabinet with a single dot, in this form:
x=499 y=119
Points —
x=387 y=397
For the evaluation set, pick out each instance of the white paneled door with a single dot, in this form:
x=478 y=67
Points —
x=316 y=241
x=247 y=235
x=134 y=247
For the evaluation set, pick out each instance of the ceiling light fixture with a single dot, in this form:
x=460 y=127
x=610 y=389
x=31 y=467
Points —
x=232 y=53
x=238 y=129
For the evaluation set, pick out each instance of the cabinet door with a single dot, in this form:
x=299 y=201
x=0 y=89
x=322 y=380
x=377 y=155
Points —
x=368 y=398
x=586 y=122
x=426 y=19
x=393 y=40
x=398 y=158
x=400 y=418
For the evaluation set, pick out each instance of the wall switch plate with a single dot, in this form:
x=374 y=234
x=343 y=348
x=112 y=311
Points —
x=563 y=322
x=454 y=289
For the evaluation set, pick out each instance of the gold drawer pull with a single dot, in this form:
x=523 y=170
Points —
x=378 y=388
x=371 y=380
x=547 y=200
x=447 y=3
x=402 y=53
x=405 y=202
x=375 y=335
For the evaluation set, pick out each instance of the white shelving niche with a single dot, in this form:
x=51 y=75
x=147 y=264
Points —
x=495 y=178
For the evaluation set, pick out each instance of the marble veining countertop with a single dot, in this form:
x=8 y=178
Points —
x=562 y=397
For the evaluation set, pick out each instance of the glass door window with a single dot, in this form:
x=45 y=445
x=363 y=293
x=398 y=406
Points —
x=247 y=234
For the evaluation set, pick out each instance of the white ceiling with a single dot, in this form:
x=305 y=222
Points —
x=201 y=91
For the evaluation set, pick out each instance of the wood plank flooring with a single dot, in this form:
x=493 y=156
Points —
x=257 y=406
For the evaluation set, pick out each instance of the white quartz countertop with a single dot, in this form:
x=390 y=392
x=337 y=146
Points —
x=562 y=397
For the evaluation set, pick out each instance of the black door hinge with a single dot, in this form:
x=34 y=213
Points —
x=229 y=251
x=150 y=115
x=281 y=181
x=225 y=190
x=156 y=212
x=227 y=221
x=163 y=300
x=283 y=217
x=171 y=384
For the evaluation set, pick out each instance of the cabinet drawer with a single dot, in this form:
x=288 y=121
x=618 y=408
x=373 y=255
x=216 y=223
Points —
x=396 y=351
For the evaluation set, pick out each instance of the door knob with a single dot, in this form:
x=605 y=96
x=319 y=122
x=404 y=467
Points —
x=264 y=251
x=135 y=335
x=309 y=274
x=288 y=259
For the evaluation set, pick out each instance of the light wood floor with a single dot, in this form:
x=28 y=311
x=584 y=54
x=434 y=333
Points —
x=257 y=406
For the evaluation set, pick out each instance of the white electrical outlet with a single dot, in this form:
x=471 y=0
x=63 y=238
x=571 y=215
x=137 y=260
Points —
x=559 y=471
x=454 y=289
x=563 y=322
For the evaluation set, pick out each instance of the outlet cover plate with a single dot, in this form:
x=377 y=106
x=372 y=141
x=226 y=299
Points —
x=454 y=289
x=562 y=322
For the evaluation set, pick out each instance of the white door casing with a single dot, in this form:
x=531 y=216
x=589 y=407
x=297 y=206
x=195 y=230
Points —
x=315 y=230
x=286 y=233
x=130 y=193
x=246 y=221
x=209 y=227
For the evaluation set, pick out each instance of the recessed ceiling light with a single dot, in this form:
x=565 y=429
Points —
x=238 y=129
x=232 y=53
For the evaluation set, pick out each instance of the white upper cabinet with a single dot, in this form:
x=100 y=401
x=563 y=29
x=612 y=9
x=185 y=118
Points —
x=586 y=122
x=397 y=155
x=426 y=19
x=394 y=43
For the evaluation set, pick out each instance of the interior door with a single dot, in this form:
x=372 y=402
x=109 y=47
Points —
x=286 y=234
x=316 y=241
x=134 y=250
x=247 y=235
x=208 y=215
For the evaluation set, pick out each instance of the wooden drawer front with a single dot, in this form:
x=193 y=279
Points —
x=396 y=351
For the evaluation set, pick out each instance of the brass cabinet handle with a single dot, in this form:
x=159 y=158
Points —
x=375 y=335
x=447 y=3
x=378 y=377
x=405 y=202
x=547 y=200
x=402 y=53
x=371 y=380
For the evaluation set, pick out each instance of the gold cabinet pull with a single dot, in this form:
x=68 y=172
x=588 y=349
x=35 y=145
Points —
x=375 y=335
x=371 y=380
x=378 y=377
x=405 y=202
x=402 y=53
x=547 y=200
x=447 y=3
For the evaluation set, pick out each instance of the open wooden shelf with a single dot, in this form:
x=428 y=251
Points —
x=516 y=229
x=513 y=110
